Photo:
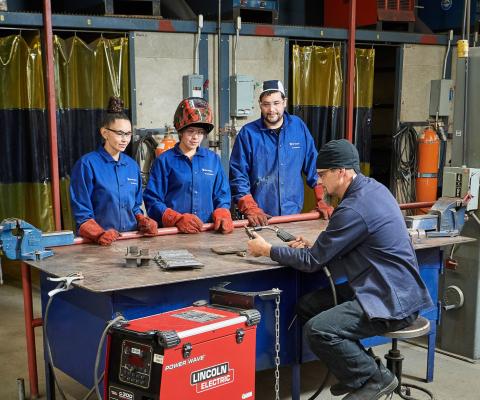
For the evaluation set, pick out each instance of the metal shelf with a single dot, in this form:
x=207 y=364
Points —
x=128 y=23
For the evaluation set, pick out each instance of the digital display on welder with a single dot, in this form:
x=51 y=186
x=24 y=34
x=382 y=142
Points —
x=135 y=363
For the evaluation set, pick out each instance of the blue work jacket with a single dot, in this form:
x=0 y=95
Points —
x=106 y=190
x=367 y=240
x=197 y=186
x=269 y=165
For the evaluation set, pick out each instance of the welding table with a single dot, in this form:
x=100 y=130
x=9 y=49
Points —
x=78 y=317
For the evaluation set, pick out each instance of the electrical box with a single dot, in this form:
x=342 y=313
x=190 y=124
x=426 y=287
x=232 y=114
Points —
x=441 y=97
x=192 y=86
x=458 y=182
x=241 y=95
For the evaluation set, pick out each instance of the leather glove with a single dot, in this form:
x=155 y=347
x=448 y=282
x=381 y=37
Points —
x=222 y=220
x=186 y=223
x=255 y=215
x=94 y=232
x=323 y=208
x=146 y=225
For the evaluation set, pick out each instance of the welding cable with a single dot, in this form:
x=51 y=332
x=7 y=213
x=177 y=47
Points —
x=96 y=378
x=326 y=271
x=404 y=163
x=49 y=351
x=47 y=342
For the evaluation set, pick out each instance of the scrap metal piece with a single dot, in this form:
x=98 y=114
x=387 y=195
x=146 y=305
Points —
x=172 y=259
x=240 y=251
x=136 y=257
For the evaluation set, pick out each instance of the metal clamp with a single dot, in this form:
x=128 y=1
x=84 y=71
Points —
x=65 y=282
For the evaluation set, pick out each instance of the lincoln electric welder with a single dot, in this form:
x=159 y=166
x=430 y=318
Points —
x=199 y=352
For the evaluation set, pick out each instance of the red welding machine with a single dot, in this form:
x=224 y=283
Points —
x=198 y=352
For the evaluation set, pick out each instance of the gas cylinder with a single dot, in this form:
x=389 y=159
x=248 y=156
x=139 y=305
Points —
x=427 y=173
x=167 y=143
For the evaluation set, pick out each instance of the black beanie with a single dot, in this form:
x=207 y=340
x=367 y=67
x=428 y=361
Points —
x=338 y=154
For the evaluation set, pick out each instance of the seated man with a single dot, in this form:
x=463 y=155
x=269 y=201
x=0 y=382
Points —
x=367 y=240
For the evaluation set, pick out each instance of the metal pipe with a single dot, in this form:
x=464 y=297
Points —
x=464 y=18
x=29 y=332
x=351 y=69
x=467 y=22
x=51 y=112
x=21 y=388
x=420 y=204
x=209 y=227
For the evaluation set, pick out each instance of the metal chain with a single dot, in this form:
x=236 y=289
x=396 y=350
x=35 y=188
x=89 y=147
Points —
x=277 y=347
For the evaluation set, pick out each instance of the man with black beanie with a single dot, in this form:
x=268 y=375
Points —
x=366 y=240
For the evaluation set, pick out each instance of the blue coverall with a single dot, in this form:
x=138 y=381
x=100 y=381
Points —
x=106 y=190
x=269 y=165
x=197 y=186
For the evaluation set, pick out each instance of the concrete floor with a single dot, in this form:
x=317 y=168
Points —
x=454 y=379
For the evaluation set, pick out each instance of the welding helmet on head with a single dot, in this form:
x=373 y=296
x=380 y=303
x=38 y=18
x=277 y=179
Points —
x=193 y=111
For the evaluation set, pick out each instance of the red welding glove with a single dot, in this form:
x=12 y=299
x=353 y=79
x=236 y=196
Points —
x=323 y=208
x=255 y=215
x=146 y=225
x=186 y=223
x=222 y=220
x=94 y=232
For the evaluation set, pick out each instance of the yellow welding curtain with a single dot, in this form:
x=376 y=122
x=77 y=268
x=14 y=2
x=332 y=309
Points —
x=24 y=167
x=318 y=97
x=364 y=76
x=85 y=76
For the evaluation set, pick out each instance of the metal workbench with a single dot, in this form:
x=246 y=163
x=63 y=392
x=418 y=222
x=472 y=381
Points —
x=78 y=317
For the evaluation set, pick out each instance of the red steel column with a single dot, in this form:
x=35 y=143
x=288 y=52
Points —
x=29 y=331
x=350 y=103
x=51 y=110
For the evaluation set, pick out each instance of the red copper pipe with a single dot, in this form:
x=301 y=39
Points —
x=350 y=104
x=29 y=331
x=51 y=111
x=208 y=227
x=421 y=204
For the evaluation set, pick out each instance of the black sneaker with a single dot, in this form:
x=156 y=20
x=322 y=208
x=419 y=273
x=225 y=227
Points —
x=339 y=388
x=382 y=383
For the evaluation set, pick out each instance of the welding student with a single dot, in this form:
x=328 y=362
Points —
x=187 y=185
x=369 y=243
x=106 y=187
x=267 y=161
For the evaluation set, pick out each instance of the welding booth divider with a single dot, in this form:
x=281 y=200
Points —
x=86 y=75
x=317 y=98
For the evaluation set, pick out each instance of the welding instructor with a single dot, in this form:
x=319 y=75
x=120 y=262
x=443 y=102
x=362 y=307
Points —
x=187 y=185
x=367 y=240
x=106 y=187
x=268 y=159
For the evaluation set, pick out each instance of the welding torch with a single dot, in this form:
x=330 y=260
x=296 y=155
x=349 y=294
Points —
x=281 y=234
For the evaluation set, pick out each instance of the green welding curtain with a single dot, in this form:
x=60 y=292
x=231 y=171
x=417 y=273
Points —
x=85 y=76
x=317 y=98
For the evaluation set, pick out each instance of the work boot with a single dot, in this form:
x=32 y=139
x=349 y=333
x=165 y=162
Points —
x=382 y=383
x=339 y=388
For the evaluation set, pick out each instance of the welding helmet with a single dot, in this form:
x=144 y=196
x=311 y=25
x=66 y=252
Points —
x=193 y=111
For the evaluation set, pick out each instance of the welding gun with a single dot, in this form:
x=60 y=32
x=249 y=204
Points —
x=281 y=234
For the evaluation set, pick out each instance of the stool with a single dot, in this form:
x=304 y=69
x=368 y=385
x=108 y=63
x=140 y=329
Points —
x=420 y=327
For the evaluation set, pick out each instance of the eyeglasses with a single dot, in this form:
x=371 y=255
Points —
x=193 y=132
x=275 y=103
x=120 y=133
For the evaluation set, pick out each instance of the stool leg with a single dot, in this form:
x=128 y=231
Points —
x=394 y=363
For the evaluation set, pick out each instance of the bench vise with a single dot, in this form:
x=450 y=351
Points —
x=21 y=241
x=445 y=219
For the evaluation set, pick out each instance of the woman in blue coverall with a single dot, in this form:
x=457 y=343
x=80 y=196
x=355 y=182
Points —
x=106 y=187
x=187 y=185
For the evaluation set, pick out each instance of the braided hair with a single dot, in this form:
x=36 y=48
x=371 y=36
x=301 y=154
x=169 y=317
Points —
x=115 y=111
